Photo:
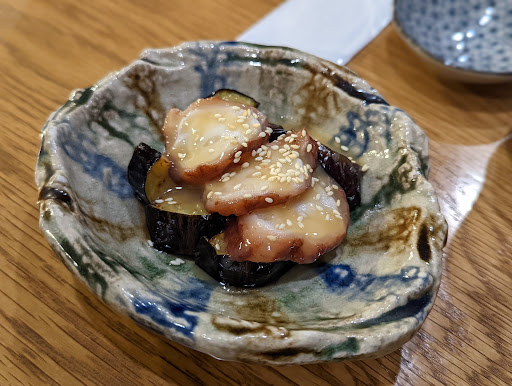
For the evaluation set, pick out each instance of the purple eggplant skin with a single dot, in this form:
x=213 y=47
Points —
x=236 y=273
x=180 y=233
x=235 y=96
x=170 y=232
x=143 y=159
x=277 y=131
x=345 y=172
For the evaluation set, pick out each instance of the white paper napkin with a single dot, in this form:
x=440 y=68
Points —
x=331 y=29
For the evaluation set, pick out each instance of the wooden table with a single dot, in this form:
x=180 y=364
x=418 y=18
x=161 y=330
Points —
x=53 y=330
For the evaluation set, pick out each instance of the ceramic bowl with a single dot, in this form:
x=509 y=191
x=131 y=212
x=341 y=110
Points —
x=364 y=299
x=468 y=40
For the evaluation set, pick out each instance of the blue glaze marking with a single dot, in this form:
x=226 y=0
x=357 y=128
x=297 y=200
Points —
x=81 y=149
x=179 y=314
x=342 y=278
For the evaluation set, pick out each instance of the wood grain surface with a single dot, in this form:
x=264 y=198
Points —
x=54 y=331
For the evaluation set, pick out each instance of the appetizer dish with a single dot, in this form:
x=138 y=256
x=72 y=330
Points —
x=245 y=196
x=301 y=229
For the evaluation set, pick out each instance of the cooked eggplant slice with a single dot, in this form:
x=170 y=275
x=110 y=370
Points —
x=273 y=174
x=236 y=273
x=346 y=173
x=277 y=131
x=209 y=136
x=230 y=95
x=300 y=230
x=143 y=159
x=175 y=216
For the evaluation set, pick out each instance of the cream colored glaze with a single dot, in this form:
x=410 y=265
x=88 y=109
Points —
x=301 y=230
x=271 y=175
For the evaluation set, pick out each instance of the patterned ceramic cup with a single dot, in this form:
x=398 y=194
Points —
x=469 y=40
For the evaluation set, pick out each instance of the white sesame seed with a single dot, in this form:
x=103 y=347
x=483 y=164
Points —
x=217 y=246
x=262 y=134
x=344 y=148
x=288 y=222
x=268 y=130
x=272 y=238
x=264 y=187
x=275 y=147
x=236 y=160
x=209 y=195
x=269 y=200
x=327 y=217
x=150 y=243
x=309 y=147
x=238 y=154
x=281 y=226
x=244 y=144
x=338 y=203
x=300 y=218
x=256 y=125
x=239 y=120
x=365 y=168
x=245 y=165
x=256 y=174
x=236 y=108
x=217 y=115
x=335 y=187
x=246 y=126
x=330 y=193
x=218 y=193
x=257 y=167
x=182 y=155
x=337 y=139
x=237 y=186
x=222 y=119
x=318 y=207
x=301 y=225
x=247 y=195
x=158 y=201
x=336 y=212
x=211 y=150
x=304 y=132
x=234 y=142
x=259 y=158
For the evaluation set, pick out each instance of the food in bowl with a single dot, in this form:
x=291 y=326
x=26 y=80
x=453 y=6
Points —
x=247 y=198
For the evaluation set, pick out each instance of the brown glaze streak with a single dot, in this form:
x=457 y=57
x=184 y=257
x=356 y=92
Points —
x=394 y=234
x=117 y=232
x=50 y=193
x=423 y=244
x=244 y=330
x=141 y=79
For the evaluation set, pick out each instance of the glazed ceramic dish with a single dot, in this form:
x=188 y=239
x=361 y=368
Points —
x=464 y=39
x=364 y=299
